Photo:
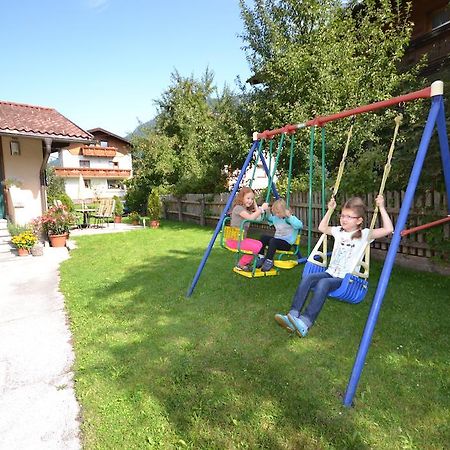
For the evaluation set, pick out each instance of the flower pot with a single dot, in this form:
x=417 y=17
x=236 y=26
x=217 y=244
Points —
x=117 y=219
x=23 y=252
x=58 y=240
x=154 y=223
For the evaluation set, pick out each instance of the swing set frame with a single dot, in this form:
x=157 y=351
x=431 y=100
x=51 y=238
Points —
x=436 y=119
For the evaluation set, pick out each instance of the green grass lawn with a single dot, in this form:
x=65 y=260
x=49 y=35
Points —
x=157 y=370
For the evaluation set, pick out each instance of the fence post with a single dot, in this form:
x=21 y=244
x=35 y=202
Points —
x=180 y=213
x=202 y=210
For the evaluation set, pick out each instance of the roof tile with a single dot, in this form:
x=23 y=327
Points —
x=37 y=120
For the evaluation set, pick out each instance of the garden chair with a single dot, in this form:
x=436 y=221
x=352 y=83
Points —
x=104 y=212
x=97 y=215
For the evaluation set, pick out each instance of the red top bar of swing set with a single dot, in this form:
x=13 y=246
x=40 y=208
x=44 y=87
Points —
x=320 y=121
x=425 y=226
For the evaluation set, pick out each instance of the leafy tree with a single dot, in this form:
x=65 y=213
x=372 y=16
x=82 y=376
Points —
x=317 y=57
x=55 y=187
x=195 y=134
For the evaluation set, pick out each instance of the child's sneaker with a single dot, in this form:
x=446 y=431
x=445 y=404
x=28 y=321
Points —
x=260 y=262
x=299 y=326
x=245 y=268
x=267 y=265
x=284 y=322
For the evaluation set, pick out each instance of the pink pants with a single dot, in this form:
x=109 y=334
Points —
x=247 y=244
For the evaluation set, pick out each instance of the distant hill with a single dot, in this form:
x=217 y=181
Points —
x=139 y=128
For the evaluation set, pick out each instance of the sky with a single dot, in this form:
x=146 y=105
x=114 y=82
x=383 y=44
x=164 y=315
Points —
x=102 y=63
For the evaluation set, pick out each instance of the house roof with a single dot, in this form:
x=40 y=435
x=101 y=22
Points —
x=38 y=121
x=102 y=130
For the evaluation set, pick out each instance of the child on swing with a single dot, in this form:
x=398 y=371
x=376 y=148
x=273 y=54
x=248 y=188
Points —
x=350 y=241
x=286 y=226
x=245 y=208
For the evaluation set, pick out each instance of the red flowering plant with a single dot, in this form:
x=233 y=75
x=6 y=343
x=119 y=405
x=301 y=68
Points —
x=56 y=220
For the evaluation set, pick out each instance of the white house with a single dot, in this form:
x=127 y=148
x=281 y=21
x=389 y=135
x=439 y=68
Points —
x=102 y=166
x=28 y=136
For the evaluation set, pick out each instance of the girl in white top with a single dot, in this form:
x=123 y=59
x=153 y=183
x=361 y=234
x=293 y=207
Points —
x=350 y=243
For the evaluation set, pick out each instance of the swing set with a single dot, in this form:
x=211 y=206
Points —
x=355 y=287
x=237 y=234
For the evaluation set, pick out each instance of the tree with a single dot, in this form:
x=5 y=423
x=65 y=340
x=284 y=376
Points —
x=196 y=133
x=317 y=57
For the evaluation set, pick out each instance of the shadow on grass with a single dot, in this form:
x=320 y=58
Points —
x=219 y=371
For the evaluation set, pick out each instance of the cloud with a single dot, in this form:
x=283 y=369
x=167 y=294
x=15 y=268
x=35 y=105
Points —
x=97 y=5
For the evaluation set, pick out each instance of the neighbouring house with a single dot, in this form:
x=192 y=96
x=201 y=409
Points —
x=102 y=167
x=28 y=136
x=430 y=35
x=257 y=177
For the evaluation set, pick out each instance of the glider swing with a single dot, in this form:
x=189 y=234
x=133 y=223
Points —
x=237 y=234
x=354 y=287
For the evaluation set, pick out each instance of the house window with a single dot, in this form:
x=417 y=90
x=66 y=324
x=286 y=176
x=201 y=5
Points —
x=87 y=183
x=113 y=164
x=440 y=18
x=103 y=143
x=15 y=148
x=115 y=184
x=85 y=163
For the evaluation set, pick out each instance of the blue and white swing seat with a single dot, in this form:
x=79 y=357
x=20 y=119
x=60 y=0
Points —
x=352 y=290
x=354 y=287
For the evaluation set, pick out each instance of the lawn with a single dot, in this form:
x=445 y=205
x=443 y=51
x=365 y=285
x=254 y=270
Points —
x=157 y=370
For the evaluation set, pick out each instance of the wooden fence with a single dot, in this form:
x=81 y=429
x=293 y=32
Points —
x=205 y=210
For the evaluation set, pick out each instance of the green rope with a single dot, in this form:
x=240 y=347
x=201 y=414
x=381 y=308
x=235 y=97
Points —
x=291 y=157
x=270 y=155
x=323 y=171
x=272 y=174
x=311 y=173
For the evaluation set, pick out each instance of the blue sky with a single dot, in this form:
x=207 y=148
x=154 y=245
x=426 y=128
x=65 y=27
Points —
x=101 y=63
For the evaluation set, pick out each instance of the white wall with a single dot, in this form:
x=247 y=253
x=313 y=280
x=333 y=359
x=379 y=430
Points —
x=25 y=167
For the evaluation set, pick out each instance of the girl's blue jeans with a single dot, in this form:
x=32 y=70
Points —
x=323 y=283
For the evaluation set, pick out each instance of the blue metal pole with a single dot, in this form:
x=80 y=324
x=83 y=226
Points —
x=445 y=153
x=222 y=218
x=391 y=254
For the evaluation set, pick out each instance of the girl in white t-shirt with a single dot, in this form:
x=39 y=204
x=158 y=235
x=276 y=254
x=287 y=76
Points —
x=350 y=241
x=245 y=208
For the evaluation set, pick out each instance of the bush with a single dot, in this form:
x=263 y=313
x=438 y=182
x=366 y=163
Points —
x=118 y=206
x=154 y=205
x=15 y=230
x=134 y=216
x=65 y=200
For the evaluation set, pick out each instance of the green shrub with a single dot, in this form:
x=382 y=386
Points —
x=15 y=230
x=154 y=205
x=118 y=206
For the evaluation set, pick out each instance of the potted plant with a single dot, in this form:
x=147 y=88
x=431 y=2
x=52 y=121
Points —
x=24 y=241
x=134 y=217
x=154 y=208
x=118 y=209
x=56 y=223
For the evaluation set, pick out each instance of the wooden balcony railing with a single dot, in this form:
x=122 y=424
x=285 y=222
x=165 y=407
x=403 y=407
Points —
x=87 y=172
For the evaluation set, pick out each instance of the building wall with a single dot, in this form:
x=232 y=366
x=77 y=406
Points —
x=421 y=15
x=24 y=202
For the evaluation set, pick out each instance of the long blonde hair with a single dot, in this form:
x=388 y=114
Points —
x=356 y=204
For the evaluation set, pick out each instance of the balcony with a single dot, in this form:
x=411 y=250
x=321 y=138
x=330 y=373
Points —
x=87 y=172
x=436 y=44
x=102 y=152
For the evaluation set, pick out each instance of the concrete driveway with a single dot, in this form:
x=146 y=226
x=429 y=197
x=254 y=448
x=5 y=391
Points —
x=38 y=408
